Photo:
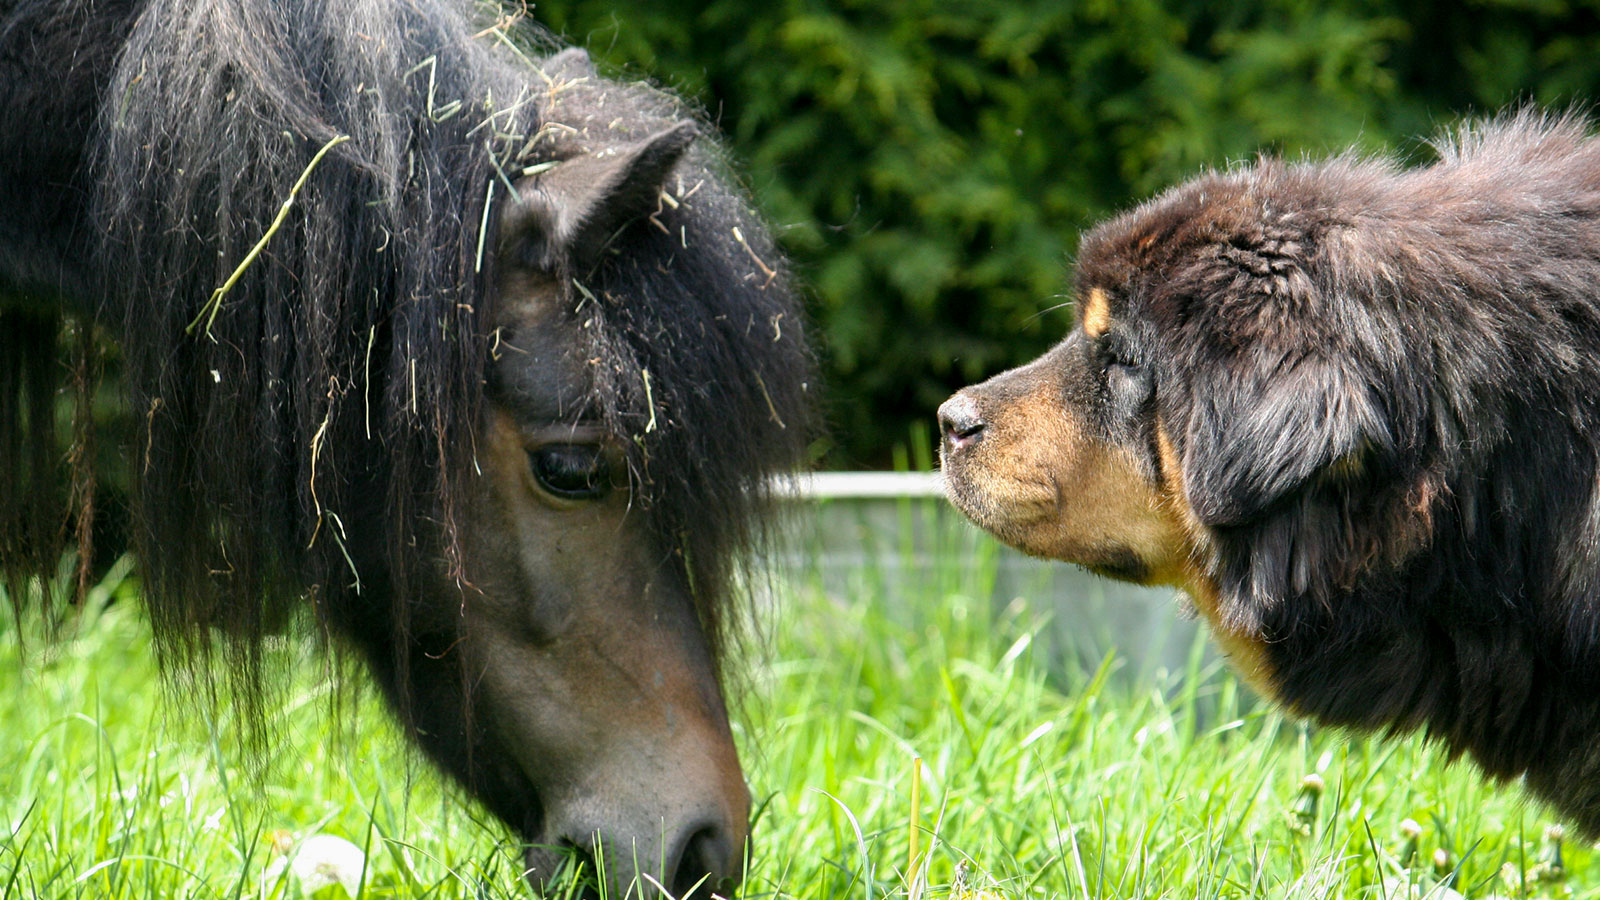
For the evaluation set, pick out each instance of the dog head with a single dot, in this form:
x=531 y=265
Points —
x=1223 y=417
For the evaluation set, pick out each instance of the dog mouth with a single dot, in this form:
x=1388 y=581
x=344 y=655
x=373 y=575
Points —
x=1121 y=564
x=1027 y=515
x=1011 y=510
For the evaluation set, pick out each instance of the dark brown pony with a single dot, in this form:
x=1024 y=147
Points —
x=480 y=358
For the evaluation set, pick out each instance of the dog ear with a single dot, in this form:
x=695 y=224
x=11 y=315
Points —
x=1260 y=430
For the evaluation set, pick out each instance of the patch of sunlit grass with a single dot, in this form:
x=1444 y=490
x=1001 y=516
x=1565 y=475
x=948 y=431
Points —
x=1034 y=782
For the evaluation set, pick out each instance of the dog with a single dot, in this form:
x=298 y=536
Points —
x=1352 y=409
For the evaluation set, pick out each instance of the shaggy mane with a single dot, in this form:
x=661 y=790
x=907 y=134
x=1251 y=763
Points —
x=305 y=436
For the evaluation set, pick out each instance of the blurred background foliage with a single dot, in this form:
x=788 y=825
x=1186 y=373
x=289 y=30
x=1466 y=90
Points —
x=930 y=165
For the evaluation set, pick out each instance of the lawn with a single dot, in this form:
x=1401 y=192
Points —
x=1037 y=779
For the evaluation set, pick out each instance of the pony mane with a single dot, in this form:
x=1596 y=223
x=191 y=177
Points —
x=303 y=436
x=699 y=344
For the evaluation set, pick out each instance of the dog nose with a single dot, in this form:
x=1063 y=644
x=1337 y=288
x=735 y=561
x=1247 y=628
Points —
x=960 y=421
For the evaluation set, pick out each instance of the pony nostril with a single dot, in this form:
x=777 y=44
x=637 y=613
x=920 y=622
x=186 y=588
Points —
x=708 y=864
x=565 y=869
x=960 y=422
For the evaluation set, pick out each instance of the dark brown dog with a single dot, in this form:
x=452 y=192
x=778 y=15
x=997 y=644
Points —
x=1353 y=411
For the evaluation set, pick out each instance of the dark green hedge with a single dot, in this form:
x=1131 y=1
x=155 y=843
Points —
x=931 y=164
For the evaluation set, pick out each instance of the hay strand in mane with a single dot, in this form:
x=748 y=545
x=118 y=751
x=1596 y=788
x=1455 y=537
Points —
x=335 y=174
x=214 y=304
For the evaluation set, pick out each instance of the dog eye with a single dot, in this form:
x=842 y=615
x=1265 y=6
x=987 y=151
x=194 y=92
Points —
x=571 y=471
x=1127 y=383
x=1117 y=356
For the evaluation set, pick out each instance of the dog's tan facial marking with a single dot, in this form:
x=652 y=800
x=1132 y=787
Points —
x=1245 y=651
x=1173 y=494
x=1096 y=315
x=1021 y=463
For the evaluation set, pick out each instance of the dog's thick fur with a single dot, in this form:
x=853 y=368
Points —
x=1354 y=410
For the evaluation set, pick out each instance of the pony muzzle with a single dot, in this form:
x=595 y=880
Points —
x=701 y=859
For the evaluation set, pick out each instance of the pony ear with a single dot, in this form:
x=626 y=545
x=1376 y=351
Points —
x=1257 y=433
x=573 y=209
x=570 y=64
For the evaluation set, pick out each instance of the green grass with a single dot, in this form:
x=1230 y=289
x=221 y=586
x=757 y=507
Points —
x=1036 y=783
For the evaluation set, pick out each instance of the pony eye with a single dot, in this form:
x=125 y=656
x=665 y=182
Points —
x=571 y=471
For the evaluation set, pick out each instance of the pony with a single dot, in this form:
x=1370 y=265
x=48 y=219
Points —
x=480 y=361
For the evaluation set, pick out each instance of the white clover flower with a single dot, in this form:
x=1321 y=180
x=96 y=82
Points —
x=320 y=861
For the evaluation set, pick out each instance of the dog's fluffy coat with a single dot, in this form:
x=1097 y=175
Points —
x=1354 y=410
